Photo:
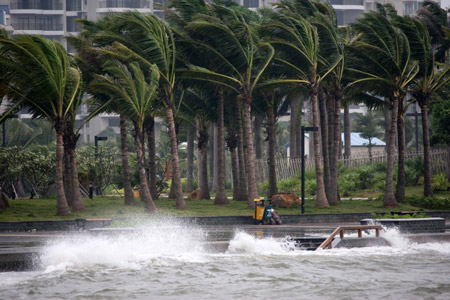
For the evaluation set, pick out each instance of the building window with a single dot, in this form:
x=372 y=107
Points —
x=251 y=3
x=73 y=5
x=410 y=7
x=113 y=122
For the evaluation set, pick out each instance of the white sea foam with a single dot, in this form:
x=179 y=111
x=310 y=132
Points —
x=132 y=250
x=246 y=243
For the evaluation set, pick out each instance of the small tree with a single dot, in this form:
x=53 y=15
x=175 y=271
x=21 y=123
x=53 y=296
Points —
x=368 y=125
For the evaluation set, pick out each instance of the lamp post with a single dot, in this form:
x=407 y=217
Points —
x=96 y=139
x=415 y=114
x=304 y=129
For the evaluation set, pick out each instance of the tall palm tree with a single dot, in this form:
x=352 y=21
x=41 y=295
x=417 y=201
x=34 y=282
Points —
x=37 y=73
x=91 y=61
x=428 y=81
x=232 y=45
x=297 y=42
x=133 y=92
x=149 y=40
x=381 y=63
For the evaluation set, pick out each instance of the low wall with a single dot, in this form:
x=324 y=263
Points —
x=316 y=219
x=54 y=225
x=419 y=225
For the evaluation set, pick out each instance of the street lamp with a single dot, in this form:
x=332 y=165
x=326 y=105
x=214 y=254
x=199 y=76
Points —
x=304 y=129
x=96 y=139
x=415 y=114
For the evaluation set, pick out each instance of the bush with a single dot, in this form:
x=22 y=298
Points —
x=348 y=183
x=311 y=186
x=397 y=216
x=413 y=170
x=440 y=182
x=289 y=185
x=428 y=202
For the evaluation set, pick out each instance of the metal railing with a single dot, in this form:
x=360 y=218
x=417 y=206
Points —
x=44 y=5
x=341 y=229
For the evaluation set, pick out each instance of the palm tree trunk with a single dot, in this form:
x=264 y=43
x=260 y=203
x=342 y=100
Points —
x=243 y=193
x=215 y=183
x=273 y=189
x=258 y=135
x=293 y=128
x=211 y=157
x=387 y=128
x=150 y=131
x=232 y=146
x=190 y=159
x=77 y=204
x=62 y=208
x=144 y=191
x=389 y=199
x=335 y=149
x=176 y=177
x=427 y=189
x=71 y=140
x=68 y=190
x=324 y=134
x=129 y=198
x=448 y=162
x=221 y=196
x=203 y=162
x=321 y=200
x=347 y=134
x=400 y=189
x=250 y=162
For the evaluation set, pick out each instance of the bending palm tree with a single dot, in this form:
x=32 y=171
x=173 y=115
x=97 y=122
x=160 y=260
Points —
x=133 y=93
x=233 y=46
x=297 y=42
x=36 y=73
x=428 y=81
x=381 y=57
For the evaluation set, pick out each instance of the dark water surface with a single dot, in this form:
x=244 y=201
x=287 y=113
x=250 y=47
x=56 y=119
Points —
x=179 y=262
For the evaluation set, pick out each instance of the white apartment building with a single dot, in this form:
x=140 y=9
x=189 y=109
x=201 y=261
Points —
x=55 y=19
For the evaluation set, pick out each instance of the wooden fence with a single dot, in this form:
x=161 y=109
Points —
x=289 y=167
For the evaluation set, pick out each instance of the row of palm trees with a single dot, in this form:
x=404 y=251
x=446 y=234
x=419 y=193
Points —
x=218 y=63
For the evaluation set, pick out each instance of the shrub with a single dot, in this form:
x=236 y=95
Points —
x=440 y=182
x=413 y=170
x=311 y=186
x=397 y=216
x=428 y=202
x=348 y=183
x=289 y=185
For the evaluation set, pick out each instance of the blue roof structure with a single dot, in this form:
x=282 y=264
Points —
x=357 y=141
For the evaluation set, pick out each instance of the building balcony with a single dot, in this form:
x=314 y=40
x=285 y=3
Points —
x=36 y=5
x=39 y=27
x=124 y=4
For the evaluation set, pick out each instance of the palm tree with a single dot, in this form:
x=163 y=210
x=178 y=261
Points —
x=37 y=73
x=233 y=46
x=381 y=64
x=90 y=60
x=297 y=42
x=133 y=92
x=149 y=40
x=428 y=81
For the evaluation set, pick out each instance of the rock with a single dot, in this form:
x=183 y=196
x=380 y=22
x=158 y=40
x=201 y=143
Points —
x=195 y=194
x=286 y=200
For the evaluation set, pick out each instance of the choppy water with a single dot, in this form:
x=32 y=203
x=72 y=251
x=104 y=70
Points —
x=177 y=262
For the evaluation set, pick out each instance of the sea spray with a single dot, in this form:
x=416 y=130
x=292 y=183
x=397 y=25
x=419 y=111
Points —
x=130 y=249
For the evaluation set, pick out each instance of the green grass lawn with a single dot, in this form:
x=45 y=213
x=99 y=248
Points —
x=113 y=207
